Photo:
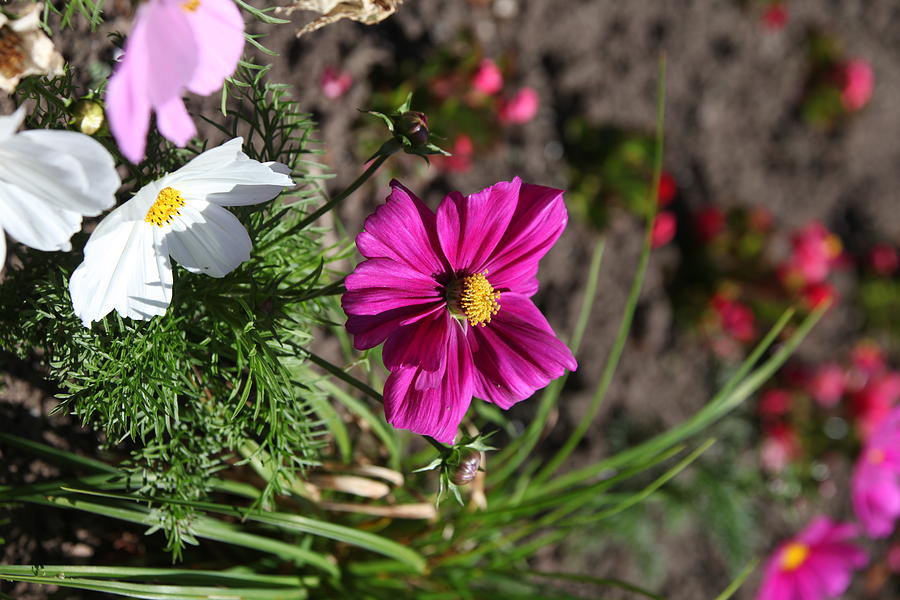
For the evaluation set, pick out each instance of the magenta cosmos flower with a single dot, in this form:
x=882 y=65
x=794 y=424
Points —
x=449 y=295
x=175 y=45
x=875 y=487
x=815 y=565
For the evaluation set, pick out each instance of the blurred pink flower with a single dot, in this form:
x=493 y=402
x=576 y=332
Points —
x=875 y=401
x=814 y=250
x=460 y=160
x=735 y=318
x=779 y=447
x=521 y=108
x=775 y=16
x=488 y=79
x=815 y=565
x=858 y=81
x=875 y=486
x=664 y=228
x=335 y=83
x=827 y=384
x=174 y=46
x=709 y=222
x=429 y=289
x=884 y=260
x=867 y=357
x=816 y=294
x=774 y=403
x=667 y=189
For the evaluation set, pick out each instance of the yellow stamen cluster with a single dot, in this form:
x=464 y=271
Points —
x=168 y=204
x=191 y=5
x=478 y=300
x=794 y=555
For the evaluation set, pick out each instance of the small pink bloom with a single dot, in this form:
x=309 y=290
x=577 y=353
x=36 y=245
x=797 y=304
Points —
x=449 y=295
x=521 y=108
x=709 y=223
x=817 y=294
x=827 y=384
x=868 y=358
x=815 y=565
x=335 y=83
x=667 y=189
x=875 y=486
x=775 y=16
x=664 y=228
x=774 y=403
x=884 y=260
x=488 y=79
x=858 y=81
x=780 y=446
x=875 y=401
x=174 y=46
x=735 y=318
x=814 y=250
x=461 y=159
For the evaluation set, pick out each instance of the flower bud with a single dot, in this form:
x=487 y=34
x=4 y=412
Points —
x=413 y=125
x=87 y=116
x=467 y=469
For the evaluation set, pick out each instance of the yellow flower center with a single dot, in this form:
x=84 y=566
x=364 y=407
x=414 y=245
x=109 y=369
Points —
x=477 y=300
x=794 y=556
x=167 y=205
x=190 y=5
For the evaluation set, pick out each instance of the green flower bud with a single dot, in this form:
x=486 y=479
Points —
x=88 y=116
x=413 y=125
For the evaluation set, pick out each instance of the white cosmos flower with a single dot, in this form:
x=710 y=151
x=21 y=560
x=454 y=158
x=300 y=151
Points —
x=48 y=180
x=126 y=260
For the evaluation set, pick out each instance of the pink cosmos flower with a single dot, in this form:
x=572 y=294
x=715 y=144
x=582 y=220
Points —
x=875 y=487
x=874 y=402
x=858 y=81
x=735 y=318
x=488 y=79
x=664 y=228
x=449 y=294
x=815 y=565
x=827 y=384
x=334 y=83
x=175 y=45
x=521 y=108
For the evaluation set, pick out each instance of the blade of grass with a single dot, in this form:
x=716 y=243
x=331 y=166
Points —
x=612 y=362
x=738 y=581
x=597 y=581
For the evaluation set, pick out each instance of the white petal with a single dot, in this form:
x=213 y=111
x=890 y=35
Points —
x=228 y=177
x=2 y=249
x=126 y=268
x=95 y=161
x=206 y=238
x=10 y=123
x=33 y=222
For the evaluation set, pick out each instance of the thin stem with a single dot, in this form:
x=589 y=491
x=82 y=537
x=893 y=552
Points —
x=314 y=216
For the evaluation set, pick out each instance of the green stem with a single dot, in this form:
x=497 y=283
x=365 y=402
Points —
x=314 y=216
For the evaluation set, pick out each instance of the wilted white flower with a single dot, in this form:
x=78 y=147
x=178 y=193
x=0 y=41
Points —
x=126 y=261
x=48 y=180
x=25 y=50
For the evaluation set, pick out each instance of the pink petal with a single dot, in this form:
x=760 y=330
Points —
x=420 y=344
x=218 y=30
x=435 y=411
x=538 y=220
x=174 y=122
x=516 y=353
x=403 y=229
x=381 y=284
x=775 y=586
x=370 y=330
x=471 y=227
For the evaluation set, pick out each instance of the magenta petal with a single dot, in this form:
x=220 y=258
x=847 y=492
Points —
x=381 y=284
x=403 y=229
x=435 y=411
x=516 y=353
x=471 y=227
x=218 y=30
x=421 y=344
x=174 y=122
x=539 y=219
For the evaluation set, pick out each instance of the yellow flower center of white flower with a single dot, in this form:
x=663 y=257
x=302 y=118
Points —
x=794 y=556
x=474 y=298
x=190 y=5
x=168 y=204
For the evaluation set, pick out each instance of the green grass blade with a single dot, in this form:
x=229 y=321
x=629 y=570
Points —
x=738 y=581
x=60 y=457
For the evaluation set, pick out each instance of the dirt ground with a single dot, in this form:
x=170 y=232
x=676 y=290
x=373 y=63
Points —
x=732 y=139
